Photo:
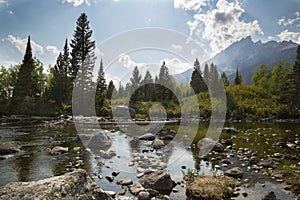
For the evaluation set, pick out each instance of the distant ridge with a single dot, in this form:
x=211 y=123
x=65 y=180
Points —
x=247 y=56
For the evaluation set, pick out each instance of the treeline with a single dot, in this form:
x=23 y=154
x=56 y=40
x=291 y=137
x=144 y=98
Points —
x=26 y=90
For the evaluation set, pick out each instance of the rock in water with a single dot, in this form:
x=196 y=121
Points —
x=58 y=150
x=208 y=144
x=158 y=180
x=73 y=185
x=158 y=144
x=235 y=172
x=10 y=147
x=147 y=136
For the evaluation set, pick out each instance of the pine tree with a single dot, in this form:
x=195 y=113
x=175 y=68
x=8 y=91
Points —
x=100 y=90
x=225 y=79
x=121 y=92
x=60 y=84
x=110 y=90
x=148 y=86
x=296 y=84
x=23 y=95
x=82 y=64
x=206 y=74
x=197 y=82
x=135 y=80
x=164 y=83
x=238 y=80
x=101 y=82
x=82 y=54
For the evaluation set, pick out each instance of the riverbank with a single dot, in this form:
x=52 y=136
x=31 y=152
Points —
x=108 y=121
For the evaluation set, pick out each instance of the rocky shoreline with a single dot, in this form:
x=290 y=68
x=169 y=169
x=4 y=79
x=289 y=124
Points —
x=242 y=165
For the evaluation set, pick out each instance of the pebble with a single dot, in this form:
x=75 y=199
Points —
x=217 y=167
x=115 y=173
x=111 y=193
x=123 y=191
x=110 y=178
x=175 y=190
x=245 y=194
x=143 y=195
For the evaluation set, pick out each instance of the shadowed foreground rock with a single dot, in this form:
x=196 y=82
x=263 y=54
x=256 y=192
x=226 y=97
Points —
x=70 y=186
x=158 y=180
x=210 y=187
x=10 y=147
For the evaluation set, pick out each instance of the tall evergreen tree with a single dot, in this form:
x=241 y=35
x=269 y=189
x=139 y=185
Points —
x=296 y=83
x=225 y=79
x=100 y=89
x=197 y=81
x=82 y=46
x=23 y=95
x=238 y=80
x=121 y=92
x=135 y=80
x=82 y=65
x=60 y=84
x=164 y=82
x=206 y=74
x=148 y=86
x=110 y=89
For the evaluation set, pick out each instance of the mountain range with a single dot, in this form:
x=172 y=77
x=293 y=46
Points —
x=246 y=56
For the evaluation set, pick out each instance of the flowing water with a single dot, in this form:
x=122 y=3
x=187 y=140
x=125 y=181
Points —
x=34 y=162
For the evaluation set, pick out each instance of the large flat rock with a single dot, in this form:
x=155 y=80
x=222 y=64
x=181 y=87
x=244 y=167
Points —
x=73 y=185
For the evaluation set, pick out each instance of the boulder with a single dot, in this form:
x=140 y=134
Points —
x=235 y=172
x=73 y=185
x=208 y=144
x=158 y=180
x=147 y=136
x=10 y=147
x=136 y=188
x=143 y=195
x=58 y=150
x=158 y=144
x=124 y=182
x=107 y=154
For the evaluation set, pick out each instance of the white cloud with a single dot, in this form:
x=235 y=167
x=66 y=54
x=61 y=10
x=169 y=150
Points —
x=3 y=1
x=288 y=22
x=175 y=65
x=190 y=4
x=126 y=61
x=176 y=48
x=20 y=44
x=77 y=2
x=116 y=80
x=11 y=12
x=222 y=25
x=53 y=49
x=288 y=35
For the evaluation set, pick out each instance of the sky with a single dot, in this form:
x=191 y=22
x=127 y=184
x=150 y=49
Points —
x=211 y=24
